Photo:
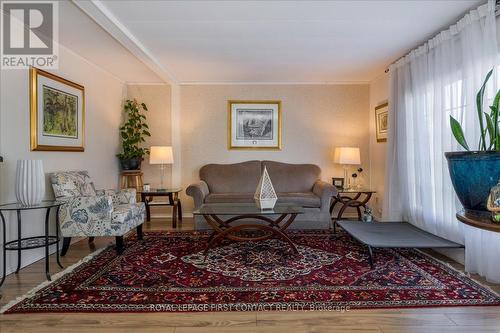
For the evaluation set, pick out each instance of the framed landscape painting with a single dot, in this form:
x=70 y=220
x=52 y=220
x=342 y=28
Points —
x=381 y=121
x=57 y=113
x=254 y=125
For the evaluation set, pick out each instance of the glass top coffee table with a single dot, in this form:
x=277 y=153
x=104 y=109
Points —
x=273 y=222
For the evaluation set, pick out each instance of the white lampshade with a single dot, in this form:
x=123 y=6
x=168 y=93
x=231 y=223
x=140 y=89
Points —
x=347 y=155
x=161 y=155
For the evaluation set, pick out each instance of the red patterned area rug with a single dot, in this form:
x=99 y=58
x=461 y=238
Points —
x=166 y=272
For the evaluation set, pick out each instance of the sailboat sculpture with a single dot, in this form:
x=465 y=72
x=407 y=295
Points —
x=265 y=197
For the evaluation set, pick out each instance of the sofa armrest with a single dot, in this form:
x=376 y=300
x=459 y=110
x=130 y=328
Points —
x=198 y=191
x=325 y=191
x=120 y=197
x=82 y=216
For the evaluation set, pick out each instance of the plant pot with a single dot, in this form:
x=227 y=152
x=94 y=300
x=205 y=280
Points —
x=131 y=163
x=473 y=174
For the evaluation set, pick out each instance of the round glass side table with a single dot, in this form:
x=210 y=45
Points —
x=28 y=243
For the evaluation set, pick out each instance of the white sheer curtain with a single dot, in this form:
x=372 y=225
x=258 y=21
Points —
x=433 y=81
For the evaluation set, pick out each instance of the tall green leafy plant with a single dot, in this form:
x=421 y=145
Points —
x=134 y=130
x=490 y=134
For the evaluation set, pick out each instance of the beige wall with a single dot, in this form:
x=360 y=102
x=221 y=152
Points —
x=103 y=98
x=316 y=118
x=157 y=99
x=379 y=93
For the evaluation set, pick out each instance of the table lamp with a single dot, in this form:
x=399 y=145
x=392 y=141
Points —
x=347 y=156
x=161 y=155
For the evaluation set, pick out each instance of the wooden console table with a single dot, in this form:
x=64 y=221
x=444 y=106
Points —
x=481 y=220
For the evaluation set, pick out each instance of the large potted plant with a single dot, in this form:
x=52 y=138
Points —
x=132 y=134
x=474 y=173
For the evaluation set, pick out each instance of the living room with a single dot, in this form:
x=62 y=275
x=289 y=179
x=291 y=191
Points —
x=275 y=140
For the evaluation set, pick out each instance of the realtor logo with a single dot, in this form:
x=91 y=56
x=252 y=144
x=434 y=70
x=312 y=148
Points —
x=29 y=34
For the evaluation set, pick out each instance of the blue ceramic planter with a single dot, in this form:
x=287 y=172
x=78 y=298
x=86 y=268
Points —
x=473 y=174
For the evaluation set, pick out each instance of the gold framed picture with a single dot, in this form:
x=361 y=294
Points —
x=254 y=125
x=57 y=113
x=382 y=121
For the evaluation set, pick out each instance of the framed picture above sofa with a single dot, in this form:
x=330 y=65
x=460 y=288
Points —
x=57 y=113
x=254 y=125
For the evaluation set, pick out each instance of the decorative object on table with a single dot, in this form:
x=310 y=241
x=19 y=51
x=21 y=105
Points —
x=265 y=197
x=132 y=179
x=173 y=200
x=338 y=183
x=161 y=155
x=30 y=182
x=494 y=203
x=32 y=242
x=474 y=173
x=367 y=215
x=254 y=125
x=133 y=133
x=90 y=213
x=382 y=121
x=347 y=156
x=57 y=114
x=357 y=178
x=146 y=187
x=404 y=278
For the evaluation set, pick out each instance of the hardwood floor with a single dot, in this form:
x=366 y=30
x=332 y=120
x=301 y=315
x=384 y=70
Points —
x=425 y=320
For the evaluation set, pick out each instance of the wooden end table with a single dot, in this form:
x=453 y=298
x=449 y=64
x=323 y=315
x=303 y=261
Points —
x=173 y=200
x=481 y=220
x=350 y=198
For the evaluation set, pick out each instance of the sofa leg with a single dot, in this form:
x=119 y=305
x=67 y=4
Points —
x=65 y=247
x=91 y=240
x=139 y=232
x=119 y=244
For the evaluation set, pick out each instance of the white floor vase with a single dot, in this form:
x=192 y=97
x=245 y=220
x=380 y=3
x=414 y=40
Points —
x=30 y=182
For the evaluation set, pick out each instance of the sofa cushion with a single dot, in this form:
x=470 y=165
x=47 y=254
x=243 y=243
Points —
x=229 y=198
x=232 y=178
x=307 y=199
x=288 y=178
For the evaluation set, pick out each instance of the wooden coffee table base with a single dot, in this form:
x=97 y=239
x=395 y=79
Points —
x=223 y=229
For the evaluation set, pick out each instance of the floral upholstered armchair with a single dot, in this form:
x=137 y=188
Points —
x=89 y=213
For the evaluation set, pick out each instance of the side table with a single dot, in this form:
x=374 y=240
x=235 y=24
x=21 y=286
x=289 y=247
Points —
x=481 y=220
x=132 y=179
x=173 y=200
x=28 y=243
x=350 y=198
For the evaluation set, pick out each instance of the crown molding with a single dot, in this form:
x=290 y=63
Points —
x=132 y=83
x=98 y=12
x=275 y=83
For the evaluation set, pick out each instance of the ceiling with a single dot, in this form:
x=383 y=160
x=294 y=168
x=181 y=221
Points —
x=281 y=41
x=83 y=36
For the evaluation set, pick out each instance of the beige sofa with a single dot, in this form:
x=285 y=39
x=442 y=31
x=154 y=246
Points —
x=299 y=184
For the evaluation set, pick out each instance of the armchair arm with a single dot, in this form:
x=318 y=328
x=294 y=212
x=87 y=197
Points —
x=325 y=191
x=86 y=216
x=120 y=197
x=198 y=191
